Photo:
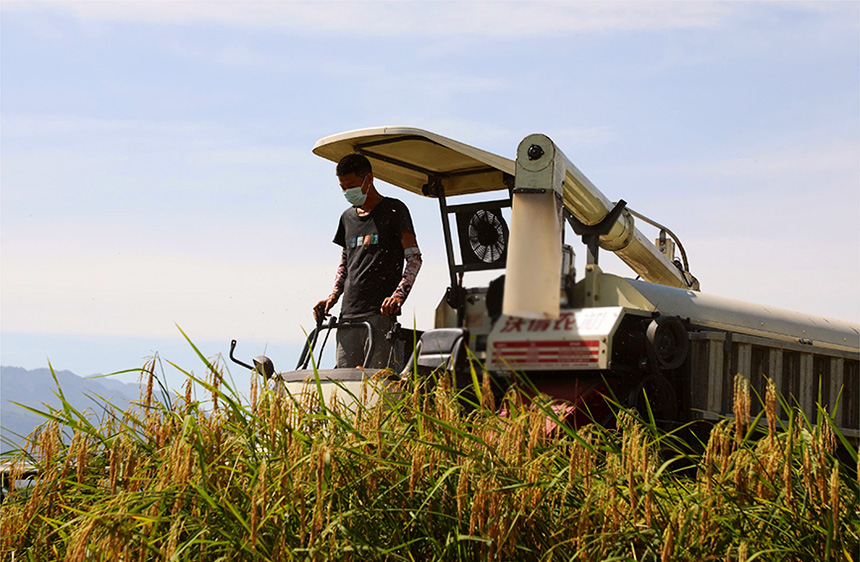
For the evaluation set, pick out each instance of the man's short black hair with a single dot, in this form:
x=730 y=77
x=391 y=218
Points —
x=354 y=163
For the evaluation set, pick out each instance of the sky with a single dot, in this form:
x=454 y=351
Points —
x=156 y=172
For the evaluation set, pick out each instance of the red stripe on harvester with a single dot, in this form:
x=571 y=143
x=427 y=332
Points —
x=576 y=352
x=546 y=344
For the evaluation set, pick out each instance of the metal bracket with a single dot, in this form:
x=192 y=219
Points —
x=433 y=187
x=591 y=233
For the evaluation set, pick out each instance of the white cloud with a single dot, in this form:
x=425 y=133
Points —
x=236 y=56
x=18 y=126
x=518 y=19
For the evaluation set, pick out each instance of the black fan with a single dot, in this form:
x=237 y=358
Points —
x=483 y=238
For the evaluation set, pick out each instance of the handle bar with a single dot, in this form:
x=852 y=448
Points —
x=232 y=347
x=334 y=324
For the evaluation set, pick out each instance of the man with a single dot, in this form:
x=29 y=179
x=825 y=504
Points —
x=377 y=236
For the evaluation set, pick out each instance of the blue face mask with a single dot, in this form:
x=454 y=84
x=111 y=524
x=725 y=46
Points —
x=355 y=197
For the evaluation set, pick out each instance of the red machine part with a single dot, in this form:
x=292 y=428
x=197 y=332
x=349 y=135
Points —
x=576 y=403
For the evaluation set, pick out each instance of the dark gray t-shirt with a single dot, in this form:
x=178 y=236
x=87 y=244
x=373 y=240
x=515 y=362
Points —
x=374 y=255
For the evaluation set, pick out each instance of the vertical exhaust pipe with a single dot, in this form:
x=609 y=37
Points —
x=532 y=287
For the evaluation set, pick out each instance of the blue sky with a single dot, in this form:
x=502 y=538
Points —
x=157 y=167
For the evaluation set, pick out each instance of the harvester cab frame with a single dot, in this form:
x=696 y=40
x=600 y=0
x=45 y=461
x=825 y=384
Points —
x=655 y=337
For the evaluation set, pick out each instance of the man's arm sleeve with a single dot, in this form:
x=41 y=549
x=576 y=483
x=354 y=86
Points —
x=340 y=277
x=410 y=272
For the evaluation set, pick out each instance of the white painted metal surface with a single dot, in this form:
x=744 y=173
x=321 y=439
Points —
x=403 y=156
x=576 y=340
x=723 y=313
x=533 y=271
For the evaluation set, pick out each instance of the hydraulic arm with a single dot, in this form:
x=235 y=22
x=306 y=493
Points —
x=547 y=182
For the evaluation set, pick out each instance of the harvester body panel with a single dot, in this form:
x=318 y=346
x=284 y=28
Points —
x=576 y=340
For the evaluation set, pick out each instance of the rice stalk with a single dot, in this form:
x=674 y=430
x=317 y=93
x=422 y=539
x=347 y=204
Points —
x=417 y=476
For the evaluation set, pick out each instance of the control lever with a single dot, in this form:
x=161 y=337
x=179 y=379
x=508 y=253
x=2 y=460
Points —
x=262 y=364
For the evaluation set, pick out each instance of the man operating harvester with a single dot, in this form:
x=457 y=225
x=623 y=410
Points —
x=377 y=236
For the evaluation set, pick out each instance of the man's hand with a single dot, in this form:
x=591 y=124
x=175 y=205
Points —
x=391 y=306
x=321 y=308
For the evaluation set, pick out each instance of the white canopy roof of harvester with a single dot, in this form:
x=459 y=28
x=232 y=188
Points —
x=411 y=158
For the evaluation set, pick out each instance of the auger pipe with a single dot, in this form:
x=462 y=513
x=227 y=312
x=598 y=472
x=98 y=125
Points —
x=542 y=165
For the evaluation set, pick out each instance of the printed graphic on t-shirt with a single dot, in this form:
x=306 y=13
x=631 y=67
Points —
x=370 y=239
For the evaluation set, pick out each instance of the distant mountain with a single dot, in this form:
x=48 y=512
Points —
x=36 y=387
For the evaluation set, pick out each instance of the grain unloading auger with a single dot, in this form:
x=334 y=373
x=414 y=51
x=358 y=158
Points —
x=581 y=340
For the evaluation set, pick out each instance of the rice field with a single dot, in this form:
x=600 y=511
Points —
x=209 y=476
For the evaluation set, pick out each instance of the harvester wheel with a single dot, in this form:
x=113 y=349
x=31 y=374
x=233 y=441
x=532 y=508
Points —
x=668 y=341
x=655 y=392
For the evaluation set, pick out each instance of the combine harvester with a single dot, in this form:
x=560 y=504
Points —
x=580 y=340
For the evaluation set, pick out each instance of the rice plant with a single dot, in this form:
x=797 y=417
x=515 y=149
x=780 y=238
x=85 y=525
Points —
x=419 y=477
